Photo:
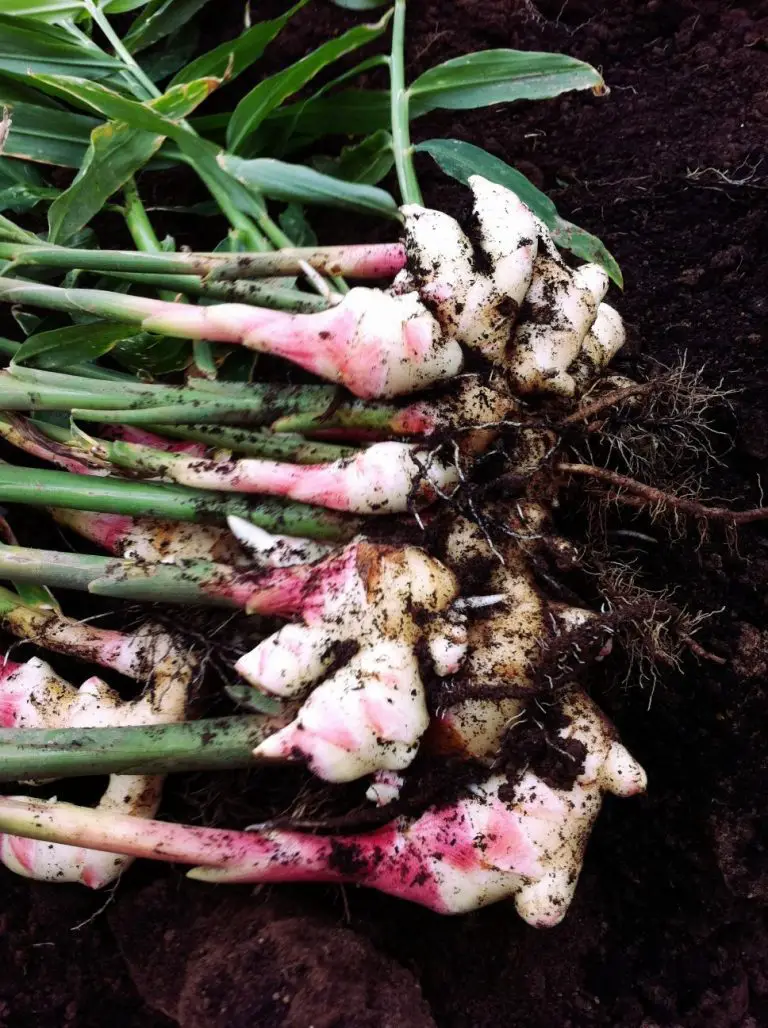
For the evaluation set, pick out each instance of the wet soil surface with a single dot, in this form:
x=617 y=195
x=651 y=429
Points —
x=668 y=927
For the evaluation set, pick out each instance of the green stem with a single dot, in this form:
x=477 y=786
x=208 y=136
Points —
x=185 y=406
x=241 y=223
x=258 y=444
x=254 y=293
x=121 y=50
x=261 y=405
x=43 y=488
x=400 y=115
x=371 y=417
x=137 y=220
x=193 y=582
x=212 y=744
x=183 y=322
x=19 y=235
x=283 y=447
x=378 y=260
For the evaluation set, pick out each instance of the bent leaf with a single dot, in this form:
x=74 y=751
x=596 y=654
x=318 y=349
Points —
x=283 y=181
x=43 y=10
x=63 y=347
x=460 y=160
x=369 y=161
x=116 y=152
x=270 y=93
x=160 y=19
x=48 y=136
x=27 y=45
x=229 y=59
x=501 y=76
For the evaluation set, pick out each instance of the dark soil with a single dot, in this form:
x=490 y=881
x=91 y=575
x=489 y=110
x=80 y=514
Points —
x=668 y=927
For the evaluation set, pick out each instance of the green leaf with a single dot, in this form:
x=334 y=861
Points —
x=275 y=136
x=229 y=59
x=501 y=76
x=27 y=45
x=283 y=181
x=270 y=93
x=293 y=221
x=23 y=197
x=146 y=354
x=242 y=181
x=63 y=347
x=13 y=173
x=123 y=6
x=360 y=5
x=14 y=89
x=160 y=19
x=44 y=10
x=353 y=112
x=116 y=152
x=181 y=47
x=110 y=104
x=49 y=136
x=460 y=160
x=368 y=161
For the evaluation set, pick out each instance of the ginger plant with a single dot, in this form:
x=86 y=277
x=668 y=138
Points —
x=419 y=637
x=33 y=696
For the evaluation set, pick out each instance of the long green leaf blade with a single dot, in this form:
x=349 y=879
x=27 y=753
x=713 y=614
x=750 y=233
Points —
x=160 y=19
x=44 y=10
x=369 y=161
x=460 y=160
x=27 y=45
x=283 y=181
x=62 y=348
x=501 y=76
x=116 y=152
x=270 y=93
x=49 y=137
x=108 y=103
x=229 y=59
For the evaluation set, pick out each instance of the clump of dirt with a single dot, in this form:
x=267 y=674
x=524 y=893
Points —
x=240 y=960
x=668 y=926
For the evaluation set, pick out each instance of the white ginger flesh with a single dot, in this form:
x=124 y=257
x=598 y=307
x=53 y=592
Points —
x=555 y=822
x=506 y=838
x=385 y=478
x=370 y=607
x=508 y=294
x=151 y=539
x=32 y=695
x=474 y=305
x=506 y=639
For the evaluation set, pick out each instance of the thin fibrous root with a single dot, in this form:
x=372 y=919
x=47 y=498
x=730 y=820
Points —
x=648 y=494
x=602 y=403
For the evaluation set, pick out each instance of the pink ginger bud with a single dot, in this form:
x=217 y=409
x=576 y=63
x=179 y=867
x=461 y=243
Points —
x=505 y=838
x=387 y=478
x=380 y=602
x=375 y=344
x=32 y=695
